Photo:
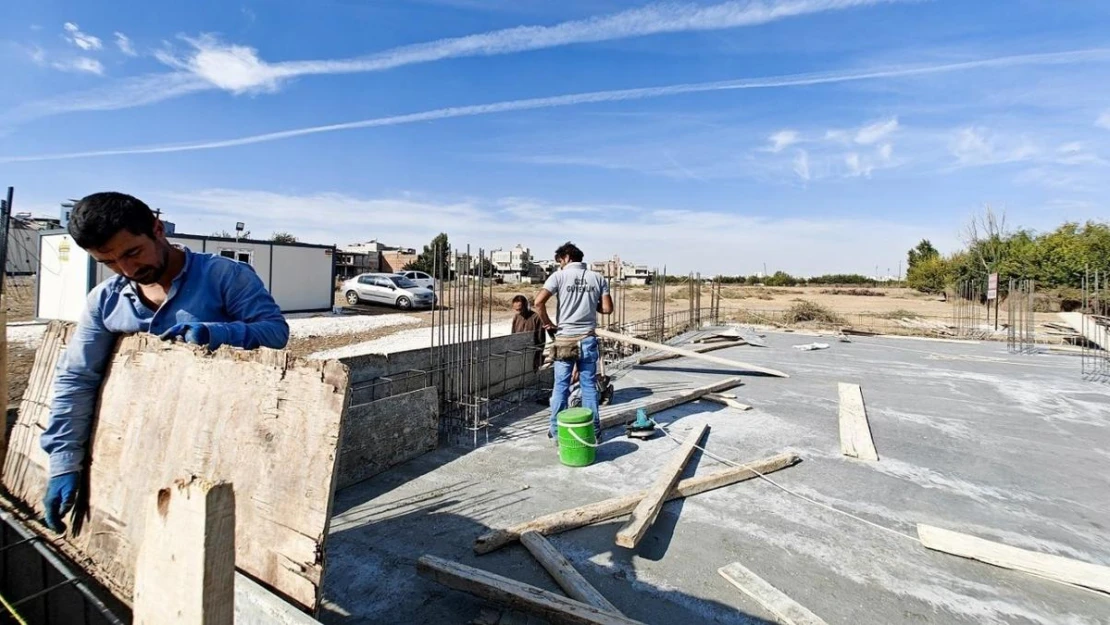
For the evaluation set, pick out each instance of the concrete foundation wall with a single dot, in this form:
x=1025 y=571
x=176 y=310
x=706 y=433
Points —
x=377 y=376
x=387 y=432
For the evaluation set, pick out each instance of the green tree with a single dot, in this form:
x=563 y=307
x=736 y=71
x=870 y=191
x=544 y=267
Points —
x=434 y=259
x=781 y=278
x=930 y=274
x=923 y=251
x=283 y=237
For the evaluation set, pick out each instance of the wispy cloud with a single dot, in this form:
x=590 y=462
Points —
x=1103 y=120
x=782 y=140
x=876 y=132
x=698 y=239
x=801 y=165
x=976 y=146
x=186 y=85
x=123 y=42
x=82 y=40
x=80 y=64
x=214 y=64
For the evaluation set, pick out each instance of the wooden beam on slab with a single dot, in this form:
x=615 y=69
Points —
x=725 y=401
x=1056 y=568
x=786 y=610
x=568 y=578
x=735 y=364
x=701 y=349
x=185 y=571
x=600 y=511
x=649 y=507
x=3 y=377
x=855 y=433
x=622 y=415
x=556 y=609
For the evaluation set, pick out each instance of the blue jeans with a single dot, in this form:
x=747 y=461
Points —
x=587 y=382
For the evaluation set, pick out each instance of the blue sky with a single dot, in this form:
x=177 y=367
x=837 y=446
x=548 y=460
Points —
x=815 y=136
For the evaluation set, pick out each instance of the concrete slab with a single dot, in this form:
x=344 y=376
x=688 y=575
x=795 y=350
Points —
x=1011 y=448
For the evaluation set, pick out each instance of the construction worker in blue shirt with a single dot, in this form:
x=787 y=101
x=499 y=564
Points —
x=159 y=288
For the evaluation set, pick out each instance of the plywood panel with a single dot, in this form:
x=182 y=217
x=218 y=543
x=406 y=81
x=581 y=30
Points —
x=260 y=420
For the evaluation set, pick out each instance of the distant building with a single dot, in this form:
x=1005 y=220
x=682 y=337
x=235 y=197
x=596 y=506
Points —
x=23 y=242
x=617 y=269
x=512 y=264
x=395 y=260
x=358 y=258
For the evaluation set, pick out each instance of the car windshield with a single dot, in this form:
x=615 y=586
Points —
x=403 y=282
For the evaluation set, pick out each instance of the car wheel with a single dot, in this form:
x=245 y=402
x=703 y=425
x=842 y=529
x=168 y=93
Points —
x=404 y=303
x=352 y=298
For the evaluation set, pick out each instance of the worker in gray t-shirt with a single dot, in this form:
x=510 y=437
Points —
x=580 y=295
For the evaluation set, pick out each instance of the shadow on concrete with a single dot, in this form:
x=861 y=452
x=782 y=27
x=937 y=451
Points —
x=383 y=525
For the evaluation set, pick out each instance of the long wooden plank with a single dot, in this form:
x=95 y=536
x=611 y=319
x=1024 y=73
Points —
x=3 y=377
x=735 y=364
x=622 y=415
x=1053 y=567
x=564 y=573
x=645 y=512
x=786 y=610
x=701 y=349
x=565 y=520
x=243 y=417
x=185 y=570
x=855 y=433
x=557 y=609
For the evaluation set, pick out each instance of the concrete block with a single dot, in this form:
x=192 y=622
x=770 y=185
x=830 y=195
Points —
x=387 y=432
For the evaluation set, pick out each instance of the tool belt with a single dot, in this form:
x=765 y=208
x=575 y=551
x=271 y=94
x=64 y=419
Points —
x=568 y=348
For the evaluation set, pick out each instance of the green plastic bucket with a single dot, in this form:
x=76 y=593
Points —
x=572 y=452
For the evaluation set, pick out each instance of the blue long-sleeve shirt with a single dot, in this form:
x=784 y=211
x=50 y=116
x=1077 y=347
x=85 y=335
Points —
x=225 y=295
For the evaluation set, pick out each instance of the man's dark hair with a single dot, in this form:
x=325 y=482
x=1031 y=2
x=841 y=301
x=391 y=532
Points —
x=571 y=250
x=521 y=299
x=96 y=218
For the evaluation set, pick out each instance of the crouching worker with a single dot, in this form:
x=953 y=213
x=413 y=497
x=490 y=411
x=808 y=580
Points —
x=580 y=295
x=159 y=288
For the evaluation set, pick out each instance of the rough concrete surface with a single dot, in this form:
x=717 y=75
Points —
x=1012 y=448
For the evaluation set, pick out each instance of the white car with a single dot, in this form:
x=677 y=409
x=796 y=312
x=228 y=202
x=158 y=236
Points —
x=420 y=278
x=387 y=288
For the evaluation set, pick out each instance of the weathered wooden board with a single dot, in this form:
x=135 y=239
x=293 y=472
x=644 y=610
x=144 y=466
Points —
x=855 y=433
x=1046 y=565
x=387 y=432
x=564 y=573
x=786 y=610
x=260 y=419
x=620 y=414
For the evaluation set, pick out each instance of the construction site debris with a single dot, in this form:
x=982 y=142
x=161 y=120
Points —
x=607 y=509
x=786 y=610
x=701 y=349
x=556 y=609
x=855 y=433
x=809 y=347
x=724 y=400
x=564 y=573
x=689 y=354
x=645 y=512
x=1053 y=567
x=620 y=414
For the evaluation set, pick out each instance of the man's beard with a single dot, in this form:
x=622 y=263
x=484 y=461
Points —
x=152 y=274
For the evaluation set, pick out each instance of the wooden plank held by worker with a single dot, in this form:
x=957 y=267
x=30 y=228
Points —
x=613 y=416
x=786 y=610
x=855 y=432
x=185 y=570
x=1053 y=567
x=649 y=507
x=566 y=520
x=234 y=415
x=734 y=364
x=563 y=572
x=554 y=608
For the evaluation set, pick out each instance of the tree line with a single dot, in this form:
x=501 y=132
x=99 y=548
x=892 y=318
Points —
x=1058 y=259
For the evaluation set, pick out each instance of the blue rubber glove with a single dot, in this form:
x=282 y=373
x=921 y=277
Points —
x=61 y=493
x=195 y=333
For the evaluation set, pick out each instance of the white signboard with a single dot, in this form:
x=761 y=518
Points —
x=992 y=286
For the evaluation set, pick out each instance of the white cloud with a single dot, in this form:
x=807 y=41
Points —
x=683 y=239
x=123 y=42
x=801 y=165
x=80 y=64
x=230 y=67
x=82 y=40
x=886 y=151
x=974 y=146
x=145 y=90
x=876 y=132
x=783 y=139
x=1103 y=120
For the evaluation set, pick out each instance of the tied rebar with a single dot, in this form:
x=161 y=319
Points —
x=1095 y=327
x=1020 y=328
